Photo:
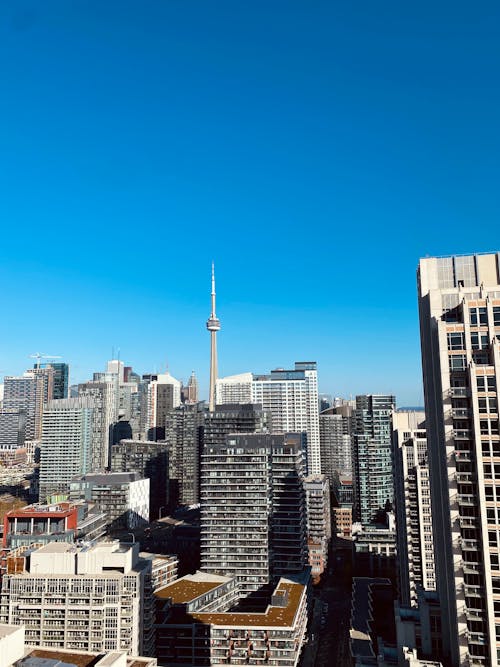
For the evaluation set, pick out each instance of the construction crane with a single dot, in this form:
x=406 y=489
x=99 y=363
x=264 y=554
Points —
x=39 y=355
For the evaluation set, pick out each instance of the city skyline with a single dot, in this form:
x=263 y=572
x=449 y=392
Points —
x=315 y=154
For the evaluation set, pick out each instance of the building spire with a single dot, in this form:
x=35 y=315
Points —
x=213 y=325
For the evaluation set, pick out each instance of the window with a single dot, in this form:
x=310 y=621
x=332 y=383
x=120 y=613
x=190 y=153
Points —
x=478 y=316
x=496 y=316
x=479 y=341
x=458 y=362
x=455 y=341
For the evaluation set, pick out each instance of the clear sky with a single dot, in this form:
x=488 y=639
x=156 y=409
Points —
x=313 y=150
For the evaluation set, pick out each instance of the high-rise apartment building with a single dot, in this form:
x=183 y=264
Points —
x=29 y=393
x=183 y=435
x=335 y=437
x=372 y=462
x=94 y=598
x=290 y=396
x=150 y=460
x=61 y=377
x=459 y=305
x=68 y=440
x=413 y=506
x=319 y=523
x=253 y=517
x=12 y=429
x=103 y=400
x=233 y=418
x=163 y=393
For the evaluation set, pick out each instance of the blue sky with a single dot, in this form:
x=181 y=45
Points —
x=313 y=150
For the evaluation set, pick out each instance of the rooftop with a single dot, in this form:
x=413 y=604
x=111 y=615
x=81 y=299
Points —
x=189 y=588
x=192 y=586
x=272 y=617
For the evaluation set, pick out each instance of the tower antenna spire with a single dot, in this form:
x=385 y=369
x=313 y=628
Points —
x=213 y=325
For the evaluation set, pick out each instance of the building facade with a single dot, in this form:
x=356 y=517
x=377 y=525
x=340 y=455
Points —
x=68 y=439
x=122 y=496
x=96 y=598
x=253 y=514
x=372 y=460
x=459 y=305
x=335 y=436
x=290 y=396
x=413 y=506
x=150 y=460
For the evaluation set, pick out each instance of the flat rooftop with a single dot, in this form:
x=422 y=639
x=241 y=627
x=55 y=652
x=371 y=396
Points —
x=282 y=617
x=192 y=586
x=189 y=588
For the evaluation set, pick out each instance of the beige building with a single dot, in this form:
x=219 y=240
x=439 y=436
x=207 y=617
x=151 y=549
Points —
x=95 y=598
x=459 y=303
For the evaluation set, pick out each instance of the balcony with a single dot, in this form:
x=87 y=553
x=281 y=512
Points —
x=462 y=434
x=469 y=545
x=463 y=456
x=459 y=392
x=467 y=499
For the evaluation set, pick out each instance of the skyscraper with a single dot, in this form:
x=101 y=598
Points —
x=61 y=377
x=213 y=325
x=68 y=439
x=253 y=515
x=335 y=436
x=190 y=391
x=183 y=436
x=459 y=306
x=413 y=506
x=29 y=393
x=372 y=462
x=163 y=393
x=290 y=396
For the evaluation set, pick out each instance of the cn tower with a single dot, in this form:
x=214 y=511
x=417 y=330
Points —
x=213 y=325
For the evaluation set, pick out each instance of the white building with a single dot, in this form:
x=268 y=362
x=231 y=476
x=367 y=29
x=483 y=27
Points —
x=459 y=304
x=69 y=436
x=93 y=598
x=16 y=652
x=413 y=506
x=291 y=396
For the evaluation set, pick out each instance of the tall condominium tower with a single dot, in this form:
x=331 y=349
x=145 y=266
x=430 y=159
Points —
x=29 y=393
x=183 y=430
x=101 y=394
x=213 y=325
x=372 y=463
x=149 y=459
x=163 y=393
x=413 y=507
x=291 y=397
x=335 y=437
x=68 y=439
x=459 y=304
x=253 y=517
x=61 y=377
x=190 y=391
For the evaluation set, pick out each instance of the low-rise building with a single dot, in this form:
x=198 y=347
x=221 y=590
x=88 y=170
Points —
x=15 y=652
x=95 y=598
x=58 y=522
x=194 y=625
